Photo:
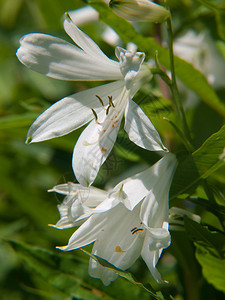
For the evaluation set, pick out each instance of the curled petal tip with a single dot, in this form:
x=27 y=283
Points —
x=61 y=247
x=28 y=140
x=67 y=17
x=51 y=225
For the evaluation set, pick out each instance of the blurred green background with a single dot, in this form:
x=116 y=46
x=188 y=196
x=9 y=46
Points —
x=28 y=171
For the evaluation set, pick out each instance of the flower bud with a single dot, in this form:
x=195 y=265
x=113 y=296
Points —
x=139 y=10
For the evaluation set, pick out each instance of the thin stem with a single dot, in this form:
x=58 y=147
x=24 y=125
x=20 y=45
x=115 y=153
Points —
x=186 y=142
x=174 y=89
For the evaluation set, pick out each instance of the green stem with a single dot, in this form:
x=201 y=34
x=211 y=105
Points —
x=186 y=142
x=173 y=86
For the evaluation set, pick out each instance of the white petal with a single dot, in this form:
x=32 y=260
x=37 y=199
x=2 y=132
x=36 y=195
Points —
x=141 y=130
x=151 y=259
x=71 y=112
x=70 y=210
x=151 y=256
x=140 y=10
x=91 y=196
x=155 y=207
x=91 y=150
x=176 y=216
x=78 y=205
x=86 y=233
x=118 y=244
x=136 y=187
x=59 y=59
x=87 y=44
x=66 y=188
x=107 y=204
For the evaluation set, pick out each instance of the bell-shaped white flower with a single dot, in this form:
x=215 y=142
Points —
x=131 y=221
x=139 y=10
x=105 y=104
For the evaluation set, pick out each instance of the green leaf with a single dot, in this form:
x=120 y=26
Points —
x=212 y=267
x=220 y=18
x=190 y=76
x=15 y=121
x=200 y=164
x=216 y=209
x=210 y=250
x=221 y=47
x=60 y=271
x=124 y=274
x=69 y=275
x=219 y=11
x=213 y=241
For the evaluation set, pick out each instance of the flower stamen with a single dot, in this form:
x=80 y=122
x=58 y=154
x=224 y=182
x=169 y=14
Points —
x=100 y=100
x=111 y=102
x=136 y=230
x=133 y=229
x=107 y=109
x=95 y=115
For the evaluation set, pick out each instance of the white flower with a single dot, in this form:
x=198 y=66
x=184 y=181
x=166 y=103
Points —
x=131 y=221
x=105 y=104
x=139 y=10
x=78 y=204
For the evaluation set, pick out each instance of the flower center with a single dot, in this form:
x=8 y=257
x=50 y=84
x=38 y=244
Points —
x=109 y=119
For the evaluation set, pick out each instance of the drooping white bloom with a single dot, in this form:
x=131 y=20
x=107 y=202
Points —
x=139 y=10
x=131 y=221
x=105 y=104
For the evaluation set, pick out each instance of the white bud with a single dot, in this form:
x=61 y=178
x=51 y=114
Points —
x=139 y=10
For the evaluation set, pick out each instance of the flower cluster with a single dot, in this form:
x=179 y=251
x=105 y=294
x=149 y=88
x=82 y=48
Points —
x=128 y=221
x=132 y=218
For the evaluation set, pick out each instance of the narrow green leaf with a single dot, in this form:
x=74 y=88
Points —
x=60 y=271
x=213 y=241
x=216 y=209
x=221 y=47
x=202 y=163
x=190 y=76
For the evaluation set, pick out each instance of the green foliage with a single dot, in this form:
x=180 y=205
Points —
x=210 y=252
x=200 y=164
x=68 y=275
x=194 y=263
x=121 y=273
